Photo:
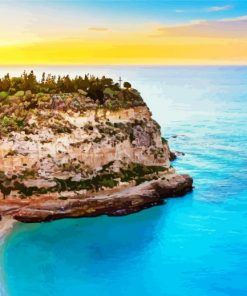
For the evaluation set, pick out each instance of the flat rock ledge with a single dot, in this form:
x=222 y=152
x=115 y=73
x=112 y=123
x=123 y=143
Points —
x=122 y=202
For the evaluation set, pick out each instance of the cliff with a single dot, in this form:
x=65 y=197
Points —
x=72 y=155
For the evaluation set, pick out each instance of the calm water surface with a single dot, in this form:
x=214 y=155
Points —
x=192 y=246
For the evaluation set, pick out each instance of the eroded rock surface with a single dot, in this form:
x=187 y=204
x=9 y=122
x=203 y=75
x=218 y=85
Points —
x=87 y=160
x=122 y=202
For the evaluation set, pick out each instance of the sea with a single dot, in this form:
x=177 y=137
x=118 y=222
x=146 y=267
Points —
x=191 y=246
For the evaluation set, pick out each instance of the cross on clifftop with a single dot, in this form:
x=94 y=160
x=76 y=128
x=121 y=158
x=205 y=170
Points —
x=120 y=81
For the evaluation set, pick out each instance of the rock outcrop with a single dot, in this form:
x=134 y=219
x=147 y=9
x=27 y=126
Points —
x=85 y=160
x=122 y=202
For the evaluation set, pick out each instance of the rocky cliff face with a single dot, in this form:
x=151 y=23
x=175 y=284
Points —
x=61 y=154
x=118 y=203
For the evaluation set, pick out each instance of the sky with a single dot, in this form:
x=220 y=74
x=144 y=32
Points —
x=123 y=32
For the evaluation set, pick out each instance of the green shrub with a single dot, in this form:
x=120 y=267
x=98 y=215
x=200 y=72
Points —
x=164 y=141
x=3 y=95
x=127 y=85
x=28 y=94
x=20 y=94
x=109 y=92
x=11 y=121
x=12 y=91
x=39 y=95
x=137 y=171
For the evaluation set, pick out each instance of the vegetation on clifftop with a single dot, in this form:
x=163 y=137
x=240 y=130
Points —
x=27 y=87
x=53 y=84
x=20 y=97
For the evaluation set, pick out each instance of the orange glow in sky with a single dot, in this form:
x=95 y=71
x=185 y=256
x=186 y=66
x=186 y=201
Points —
x=47 y=34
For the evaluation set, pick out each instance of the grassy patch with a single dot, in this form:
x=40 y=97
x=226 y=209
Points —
x=3 y=95
x=20 y=94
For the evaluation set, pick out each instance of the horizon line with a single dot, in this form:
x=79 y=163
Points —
x=122 y=65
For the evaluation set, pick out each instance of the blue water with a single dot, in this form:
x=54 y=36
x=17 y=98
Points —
x=192 y=246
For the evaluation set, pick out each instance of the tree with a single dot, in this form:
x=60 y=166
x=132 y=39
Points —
x=127 y=85
x=51 y=84
x=95 y=92
x=6 y=83
x=5 y=185
x=5 y=190
x=43 y=79
x=31 y=81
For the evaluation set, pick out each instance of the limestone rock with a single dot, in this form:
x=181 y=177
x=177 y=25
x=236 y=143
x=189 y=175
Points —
x=119 y=203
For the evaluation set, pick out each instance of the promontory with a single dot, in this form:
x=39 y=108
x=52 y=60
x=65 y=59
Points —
x=82 y=146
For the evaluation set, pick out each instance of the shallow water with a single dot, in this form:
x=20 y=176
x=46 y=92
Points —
x=191 y=246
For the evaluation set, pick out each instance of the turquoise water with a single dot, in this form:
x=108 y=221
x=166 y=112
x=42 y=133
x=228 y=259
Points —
x=194 y=246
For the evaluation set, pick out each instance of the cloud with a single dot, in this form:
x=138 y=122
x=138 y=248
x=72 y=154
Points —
x=235 y=19
x=220 y=8
x=223 y=28
x=98 y=29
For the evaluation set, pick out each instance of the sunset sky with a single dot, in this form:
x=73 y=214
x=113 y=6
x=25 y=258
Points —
x=123 y=32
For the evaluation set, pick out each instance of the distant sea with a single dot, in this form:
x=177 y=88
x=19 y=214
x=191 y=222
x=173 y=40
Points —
x=192 y=246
